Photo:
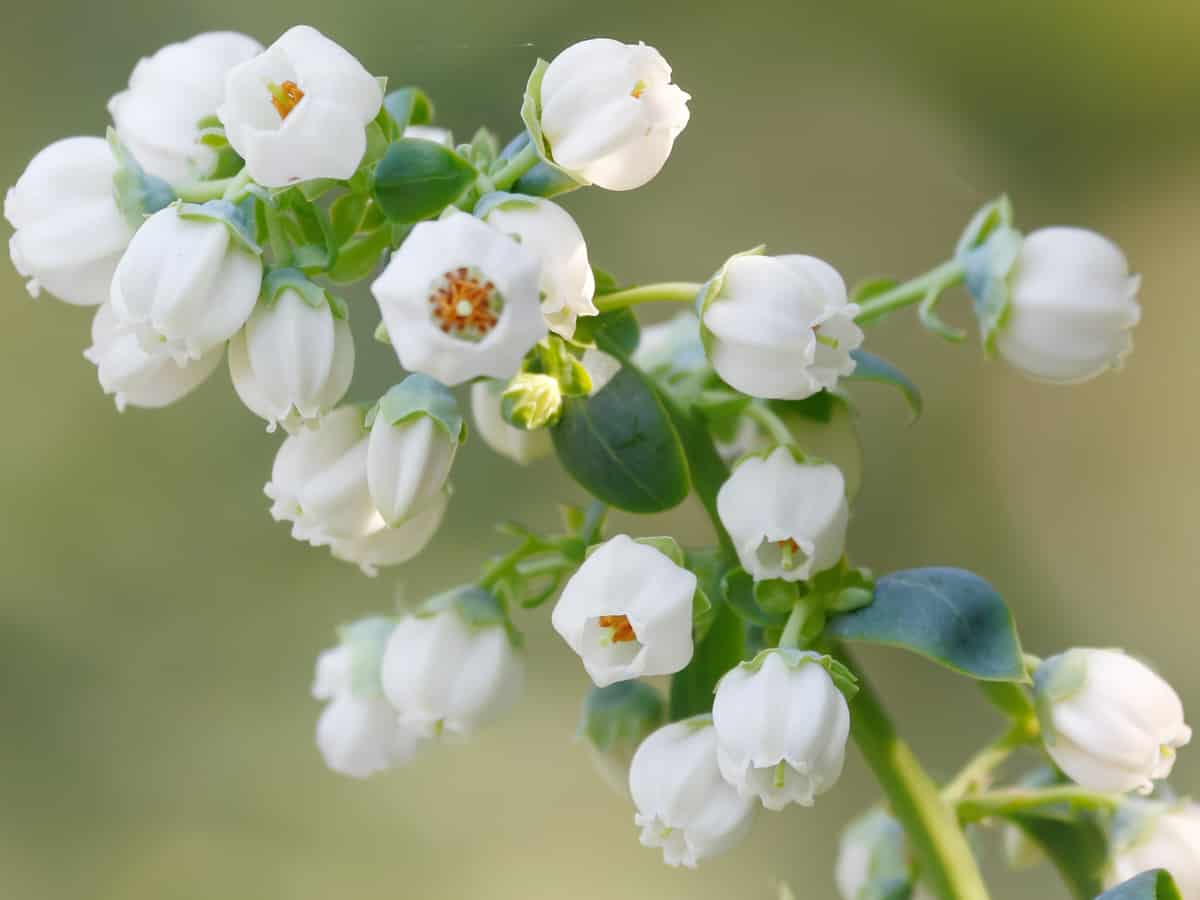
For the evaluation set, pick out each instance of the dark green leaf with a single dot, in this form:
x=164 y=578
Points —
x=621 y=446
x=949 y=616
x=418 y=179
x=869 y=367
x=1153 y=885
x=1078 y=849
x=618 y=329
x=408 y=106
x=721 y=650
x=346 y=215
x=738 y=591
x=606 y=282
x=358 y=259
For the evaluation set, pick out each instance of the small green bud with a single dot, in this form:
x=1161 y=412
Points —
x=532 y=401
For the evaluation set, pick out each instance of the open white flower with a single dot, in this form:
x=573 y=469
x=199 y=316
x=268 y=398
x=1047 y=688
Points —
x=383 y=546
x=782 y=725
x=1108 y=721
x=414 y=438
x=683 y=804
x=319 y=481
x=545 y=228
x=517 y=444
x=1072 y=306
x=300 y=109
x=610 y=114
x=788 y=519
x=460 y=300
x=447 y=670
x=358 y=733
x=169 y=93
x=780 y=327
x=138 y=378
x=1159 y=836
x=627 y=612
x=294 y=359
x=70 y=232
x=187 y=282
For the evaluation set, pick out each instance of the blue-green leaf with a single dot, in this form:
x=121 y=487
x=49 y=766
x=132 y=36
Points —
x=418 y=179
x=949 y=616
x=1156 y=884
x=618 y=329
x=869 y=367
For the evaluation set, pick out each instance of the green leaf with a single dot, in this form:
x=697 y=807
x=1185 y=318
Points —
x=417 y=179
x=709 y=566
x=617 y=330
x=1156 y=884
x=346 y=214
x=869 y=367
x=358 y=258
x=721 y=650
x=1078 y=849
x=621 y=446
x=949 y=616
x=606 y=282
x=407 y=106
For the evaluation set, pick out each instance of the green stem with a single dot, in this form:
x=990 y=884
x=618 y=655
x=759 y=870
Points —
x=203 y=191
x=506 y=564
x=978 y=771
x=790 y=638
x=947 y=864
x=982 y=806
x=934 y=281
x=515 y=168
x=666 y=292
x=774 y=426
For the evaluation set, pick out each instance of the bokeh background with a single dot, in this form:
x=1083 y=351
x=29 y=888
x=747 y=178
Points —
x=159 y=630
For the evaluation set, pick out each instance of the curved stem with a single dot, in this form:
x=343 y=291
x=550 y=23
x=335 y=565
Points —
x=774 y=426
x=981 y=806
x=515 y=168
x=978 y=770
x=911 y=292
x=666 y=292
x=795 y=624
x=203 y=191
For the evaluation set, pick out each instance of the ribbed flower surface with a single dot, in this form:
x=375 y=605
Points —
x=408 y=464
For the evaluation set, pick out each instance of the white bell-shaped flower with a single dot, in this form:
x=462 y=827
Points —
x=1072 y=306
x=779 y=327
x=787 y=518
x=135 y=377
x=415 y=435
x=627 y=612
x=383 y=546
x=683 y=804
x=300 y=109
x=517 y=444
x=782 y=724
x=358 y=733
x=873 y=854
x=187 y=282
x=70 y=233
x=1161 y=836
x=1108 y=721
x=460 y=300
x=568 y=284
x=319 y=481
x=610 y=114
x=293 y=361
x=451 y=667
x=169 y=93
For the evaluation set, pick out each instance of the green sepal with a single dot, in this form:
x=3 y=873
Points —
x=843 y=678
x=417 y=180
x=739 y=590
x=366 y=639
x=477 y=606
x=137 y=193
x=503 y=200
x=238 y=219
x=346 y=215
x=554 y=356
x=993 y=216
x=626 y=711
x=777 y=596
x=1054 y=681
x=483 y=150
x=868 y=367
x=404 y=107
x=987 y=269
x=667 y=546
x=277 y=281
x=531 y=115
x=420 y=395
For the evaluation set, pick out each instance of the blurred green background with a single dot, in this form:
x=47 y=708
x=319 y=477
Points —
x=159 y=630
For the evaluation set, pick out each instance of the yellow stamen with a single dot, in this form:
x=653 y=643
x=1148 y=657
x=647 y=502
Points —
x=622 y=631
x=638 y=90
x=285 y=97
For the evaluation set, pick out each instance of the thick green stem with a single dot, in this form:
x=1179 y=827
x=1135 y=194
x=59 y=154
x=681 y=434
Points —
x=666 y=292
x=947 y=864
x=911 y=292
x=515 y=168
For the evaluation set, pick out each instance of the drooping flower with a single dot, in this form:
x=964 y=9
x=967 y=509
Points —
x=460 y=300
x=293 y=361
x=450 y=667
x=627 y=612
x=787 y=518
x=779 y=327
x=1108 y=721
x=782 y=724
x=70 y=233
x=683 y=804
x=609 y=112
x=1158 y=835
x=137 y=378
x=188 y=281
x=517 y=444
x=169 y=93
x=1072 y=306
x=873 y=857
x=545 y=228
x=299 y=110
x=383 y=546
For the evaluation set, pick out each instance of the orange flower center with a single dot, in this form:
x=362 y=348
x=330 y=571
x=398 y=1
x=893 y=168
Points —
x=622 y=631
x=464 y=305
x=285 y=97
x=638 y=90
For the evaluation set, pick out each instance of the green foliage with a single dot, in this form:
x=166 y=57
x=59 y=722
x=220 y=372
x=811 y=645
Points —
x=722 y=649
x=417 y=179
x=618 y=329
x=420 y=395
x=869 y=367
x=1153 y=885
